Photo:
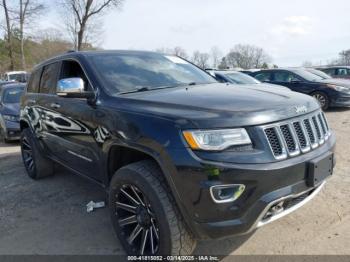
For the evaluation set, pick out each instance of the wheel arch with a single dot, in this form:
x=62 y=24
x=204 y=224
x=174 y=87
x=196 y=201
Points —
x=151 y=155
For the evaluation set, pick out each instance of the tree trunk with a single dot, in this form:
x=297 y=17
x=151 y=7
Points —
x=21 y=25
x=9 y=36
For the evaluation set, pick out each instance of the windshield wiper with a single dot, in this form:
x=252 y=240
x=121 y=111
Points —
x=141 y=89
x=145 y=88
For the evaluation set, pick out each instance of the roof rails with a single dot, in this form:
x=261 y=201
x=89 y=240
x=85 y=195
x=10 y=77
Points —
x=70 y=51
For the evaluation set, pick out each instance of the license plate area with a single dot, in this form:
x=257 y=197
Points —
x=319 y=169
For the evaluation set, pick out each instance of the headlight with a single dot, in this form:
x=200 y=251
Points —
x=339 y=88
x=216 y=139
x=10 y=118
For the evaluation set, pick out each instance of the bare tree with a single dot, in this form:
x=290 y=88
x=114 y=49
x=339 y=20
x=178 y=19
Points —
x=344 y=57
x=200 y=59
x=28 y=9
x=8 y=29
x=306 y=64
x=215 y=55
x=247 y=56
x=223 y=64
x=82 y=12
x=179 y=51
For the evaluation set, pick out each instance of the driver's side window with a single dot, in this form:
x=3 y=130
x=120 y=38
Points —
x=285 y=77
x=72 y=69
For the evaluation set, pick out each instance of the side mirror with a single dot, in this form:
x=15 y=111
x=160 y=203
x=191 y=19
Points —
x=72 y=87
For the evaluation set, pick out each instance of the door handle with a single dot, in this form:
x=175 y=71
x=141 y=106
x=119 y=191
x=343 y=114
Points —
x=55 y=105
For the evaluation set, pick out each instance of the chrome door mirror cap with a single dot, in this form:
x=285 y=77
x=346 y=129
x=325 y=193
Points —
x=66 y=86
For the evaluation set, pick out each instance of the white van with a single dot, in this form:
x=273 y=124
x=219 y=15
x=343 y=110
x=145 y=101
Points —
x=18 y=76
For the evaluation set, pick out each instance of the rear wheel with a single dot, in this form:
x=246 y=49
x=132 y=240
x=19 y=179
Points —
x=322 y=99
x=144 y=214
x=36 y=164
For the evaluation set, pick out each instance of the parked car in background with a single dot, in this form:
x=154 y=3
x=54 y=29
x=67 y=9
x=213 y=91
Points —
x=2 y=83
x=328 y=92
x=10 y=95
x=238 y=78
x=337 y=71
x=181 y=156
x=16 y=76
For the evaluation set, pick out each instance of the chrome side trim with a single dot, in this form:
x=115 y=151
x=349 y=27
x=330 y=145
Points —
x=80 y=156
x=289 y=210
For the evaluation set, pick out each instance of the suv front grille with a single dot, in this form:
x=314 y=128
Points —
x=291 y=138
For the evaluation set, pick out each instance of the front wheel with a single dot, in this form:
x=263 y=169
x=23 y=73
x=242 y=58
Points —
x=144 y=214
x=322 y=99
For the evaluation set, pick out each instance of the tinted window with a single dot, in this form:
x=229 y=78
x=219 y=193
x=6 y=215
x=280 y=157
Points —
x=329 y=71
x=73 y=69
x=284 y=76
x=48 y=80
x=220 y=78
x=12 y=95
x=128 y=72
x=33 y=85
x=266 y=76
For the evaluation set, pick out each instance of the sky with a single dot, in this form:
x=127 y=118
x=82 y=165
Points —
x=291 y=32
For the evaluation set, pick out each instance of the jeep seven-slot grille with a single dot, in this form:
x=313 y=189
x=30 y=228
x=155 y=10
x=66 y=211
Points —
x=290 y=138
x=273 y=140
x=291 y=145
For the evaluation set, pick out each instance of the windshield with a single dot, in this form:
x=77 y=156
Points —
x=241 y=78
x=12 y=95
x=307 y=75
x=319 y=73
x=124 y=73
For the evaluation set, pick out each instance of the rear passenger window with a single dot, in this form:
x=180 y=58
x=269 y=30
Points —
x=263 y=76
x=34 y=81
x=49 y=76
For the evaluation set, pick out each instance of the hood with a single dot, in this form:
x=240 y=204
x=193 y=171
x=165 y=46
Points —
x=276 y=87
x=220 y=105
x=336 y=81
x=11 y=109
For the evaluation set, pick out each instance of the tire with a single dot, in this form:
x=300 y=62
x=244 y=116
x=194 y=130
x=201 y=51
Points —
x=322 y=99
x=156 y=212
x=36 y=164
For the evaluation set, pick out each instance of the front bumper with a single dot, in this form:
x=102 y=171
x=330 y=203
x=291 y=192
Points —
x=11 y=130
x=340 y=100
x=266 y=185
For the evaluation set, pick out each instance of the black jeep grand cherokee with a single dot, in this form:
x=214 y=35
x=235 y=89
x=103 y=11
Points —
x=181 y=156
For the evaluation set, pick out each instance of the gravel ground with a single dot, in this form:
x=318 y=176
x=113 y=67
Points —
x=49 y=216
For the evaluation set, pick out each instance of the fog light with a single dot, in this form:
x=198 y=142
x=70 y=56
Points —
x=226 y=193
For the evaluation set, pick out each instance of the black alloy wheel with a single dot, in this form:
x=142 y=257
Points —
x=137 y=220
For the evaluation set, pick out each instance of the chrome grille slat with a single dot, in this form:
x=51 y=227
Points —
x=299 y=135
